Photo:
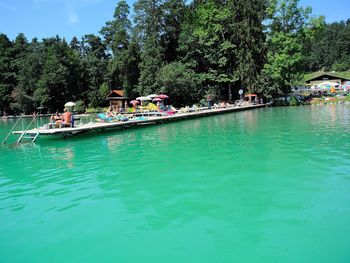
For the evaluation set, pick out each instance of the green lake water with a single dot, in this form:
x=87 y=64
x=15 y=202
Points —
x=266 y=185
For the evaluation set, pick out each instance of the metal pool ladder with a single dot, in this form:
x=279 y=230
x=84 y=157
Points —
x=4 y=141
x=29 y=135
x=24 y=135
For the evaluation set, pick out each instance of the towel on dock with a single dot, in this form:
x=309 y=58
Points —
x=103 y=117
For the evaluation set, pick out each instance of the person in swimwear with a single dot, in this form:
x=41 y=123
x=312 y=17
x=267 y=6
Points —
x=66 y=117
x=55 y=118
x=110 y=113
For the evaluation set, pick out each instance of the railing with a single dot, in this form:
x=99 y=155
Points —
x=4 y=141
x=28 y=126
x=34 y=118
x=23 y=132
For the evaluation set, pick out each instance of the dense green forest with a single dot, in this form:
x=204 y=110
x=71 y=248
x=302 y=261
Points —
x=184 y=50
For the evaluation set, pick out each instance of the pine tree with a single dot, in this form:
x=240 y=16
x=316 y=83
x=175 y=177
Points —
x=60 y=78
x=224 y=42
x=116 y=33
x=28 y=77
x=173 y=14
x=247 y=35
x=123 y=67
x=7 y=76
x=147 y=30
x=94 y=63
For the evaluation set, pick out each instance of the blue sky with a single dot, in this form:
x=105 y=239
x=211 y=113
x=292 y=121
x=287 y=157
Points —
x=68 y=18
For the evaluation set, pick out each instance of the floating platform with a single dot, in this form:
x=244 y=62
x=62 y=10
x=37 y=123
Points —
x=68 y=131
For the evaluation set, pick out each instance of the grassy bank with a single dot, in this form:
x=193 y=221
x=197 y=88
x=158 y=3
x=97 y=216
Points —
x=326 y=100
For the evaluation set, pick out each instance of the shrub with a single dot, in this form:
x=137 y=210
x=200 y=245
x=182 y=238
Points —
x=280 y=103
x=293 y=101
x=79 y=106
x=95 y=110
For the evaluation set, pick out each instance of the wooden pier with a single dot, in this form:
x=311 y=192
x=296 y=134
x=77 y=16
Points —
x=69 y=131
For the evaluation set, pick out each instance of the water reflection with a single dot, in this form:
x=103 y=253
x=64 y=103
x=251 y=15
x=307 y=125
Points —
x=61 y=157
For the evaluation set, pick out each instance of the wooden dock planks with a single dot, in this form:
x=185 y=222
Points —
x=150 y=120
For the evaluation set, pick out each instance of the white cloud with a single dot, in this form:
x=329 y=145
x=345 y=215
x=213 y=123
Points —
x=72 y=14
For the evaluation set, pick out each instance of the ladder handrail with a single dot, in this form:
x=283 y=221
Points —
x=35 y=115
x=4 y=141
x=25 y=131
x=36 y=136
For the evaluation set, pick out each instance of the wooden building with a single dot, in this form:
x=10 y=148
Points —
x=117 y=99
x=326 y=77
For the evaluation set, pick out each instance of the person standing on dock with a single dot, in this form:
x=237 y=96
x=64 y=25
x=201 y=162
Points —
x=209 y=100
x=125 y=106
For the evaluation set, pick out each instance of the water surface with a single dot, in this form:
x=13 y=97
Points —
x=267 y=185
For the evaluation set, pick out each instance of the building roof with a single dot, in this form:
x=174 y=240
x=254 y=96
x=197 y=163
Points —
x=116 y=94
x=326 y=76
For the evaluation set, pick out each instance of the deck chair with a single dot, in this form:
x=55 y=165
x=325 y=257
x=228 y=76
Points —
x=103 y=117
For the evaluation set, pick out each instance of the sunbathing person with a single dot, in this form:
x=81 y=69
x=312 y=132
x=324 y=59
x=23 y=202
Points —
x=223 y=104
x=55 y=118
x=110 y=113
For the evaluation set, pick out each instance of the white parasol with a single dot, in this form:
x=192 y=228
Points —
x=152 y=96
x=143 y=98
x=69 y=104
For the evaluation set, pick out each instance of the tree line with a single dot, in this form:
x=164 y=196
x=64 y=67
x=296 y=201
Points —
x=185 y=50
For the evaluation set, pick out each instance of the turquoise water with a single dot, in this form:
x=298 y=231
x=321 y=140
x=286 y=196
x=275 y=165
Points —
x=267 y=185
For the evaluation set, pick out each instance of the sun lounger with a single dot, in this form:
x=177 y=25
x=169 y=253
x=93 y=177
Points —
x=104 y=118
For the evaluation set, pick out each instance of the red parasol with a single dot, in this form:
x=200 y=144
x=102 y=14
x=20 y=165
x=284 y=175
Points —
x=163 y=96
x=134 y=102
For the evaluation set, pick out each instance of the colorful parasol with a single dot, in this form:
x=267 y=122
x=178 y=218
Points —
x=133 y=102
x=163 y=96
